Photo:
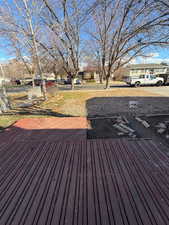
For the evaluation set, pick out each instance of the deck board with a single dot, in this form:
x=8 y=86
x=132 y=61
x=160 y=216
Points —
x=87 y=182
x=81 y=182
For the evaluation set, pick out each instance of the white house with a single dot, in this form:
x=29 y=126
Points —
x=6 y=80
x=141 y=69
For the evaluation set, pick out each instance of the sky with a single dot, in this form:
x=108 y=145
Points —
x=3 y=55
x=156 y=55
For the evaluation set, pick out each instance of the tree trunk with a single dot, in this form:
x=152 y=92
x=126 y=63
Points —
x=43 y=89
x=5 y=97
x=33 y=80
x=101 y=78
x=3 y=106
x=4 y=103
x=107 y=82
x=35 y=49
x=72 y=83
x=73 y=78
x=56 y=77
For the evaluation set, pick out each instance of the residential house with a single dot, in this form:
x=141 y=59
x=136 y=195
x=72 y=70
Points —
x=140 y=69
x=90 y=73
x=5 y=80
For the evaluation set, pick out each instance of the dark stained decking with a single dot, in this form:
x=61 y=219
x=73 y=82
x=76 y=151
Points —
x=83 y=182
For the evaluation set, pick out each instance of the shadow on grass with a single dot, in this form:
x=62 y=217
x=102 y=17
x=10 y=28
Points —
x=47 y=112
x=35 y=110
x=21 y=98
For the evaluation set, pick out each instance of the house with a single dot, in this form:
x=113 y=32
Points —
x=5 y=80
x=88 y=75
x=140 y=69
x=91 y=73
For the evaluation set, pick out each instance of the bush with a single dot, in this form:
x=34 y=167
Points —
x=90 y=81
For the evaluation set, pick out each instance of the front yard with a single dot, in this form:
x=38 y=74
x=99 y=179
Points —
x=69 y=103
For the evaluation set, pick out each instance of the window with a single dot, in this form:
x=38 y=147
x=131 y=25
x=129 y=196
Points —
x=142 y=76
x=152 y=77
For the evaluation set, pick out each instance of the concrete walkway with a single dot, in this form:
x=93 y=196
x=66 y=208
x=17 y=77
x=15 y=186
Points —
x=163 y=91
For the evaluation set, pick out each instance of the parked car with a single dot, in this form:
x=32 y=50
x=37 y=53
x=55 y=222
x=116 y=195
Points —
x=68 y=81
x=61 y=81
x=18 y=82
x=77 y=81
x=147 y=79
x=38 y=82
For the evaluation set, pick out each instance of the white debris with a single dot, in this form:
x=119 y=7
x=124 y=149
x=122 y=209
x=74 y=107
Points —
x=161 y=125
x=25 y=105
x=123 y=128
x=127 y=128
x=133 y=104
x=120 y=128
x=167 y=136
x=120 y=133
x=161 y=130
x=125 y=120
x=145 y=124
x=133 y=136
x=139 y=119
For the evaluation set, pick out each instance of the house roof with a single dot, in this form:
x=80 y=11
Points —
x=151 y=66
x=90 y=69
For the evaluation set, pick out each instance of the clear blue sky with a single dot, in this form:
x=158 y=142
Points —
x=3 y=55
x=158 y=54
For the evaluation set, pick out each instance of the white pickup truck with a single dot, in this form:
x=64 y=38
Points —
x=147 y=79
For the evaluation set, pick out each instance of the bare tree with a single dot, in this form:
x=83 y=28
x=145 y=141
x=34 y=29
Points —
x=163 y=3
x=52 y=30
x=63 y=25
x=64 y=20
x=92 y=57
x=23 y=27
x=124 y=30
x=121 y=73
x=22 y=64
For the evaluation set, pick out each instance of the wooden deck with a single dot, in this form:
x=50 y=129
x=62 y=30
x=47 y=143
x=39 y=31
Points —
x=83 y=182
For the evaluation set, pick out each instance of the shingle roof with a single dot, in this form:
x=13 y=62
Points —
x=137 y=66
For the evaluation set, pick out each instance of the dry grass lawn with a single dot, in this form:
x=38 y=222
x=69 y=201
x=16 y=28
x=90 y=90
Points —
x=65 y=103
x=74 y=102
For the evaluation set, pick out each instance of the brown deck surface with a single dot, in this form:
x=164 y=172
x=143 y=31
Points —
x=83 y=182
